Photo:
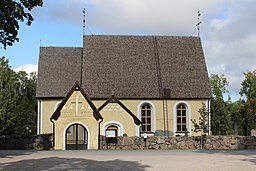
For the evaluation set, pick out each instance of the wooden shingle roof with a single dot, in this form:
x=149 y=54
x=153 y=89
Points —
x=131 y=67
x=59 y=68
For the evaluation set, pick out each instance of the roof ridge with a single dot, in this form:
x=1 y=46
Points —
x=138 y=35
x=67 y=47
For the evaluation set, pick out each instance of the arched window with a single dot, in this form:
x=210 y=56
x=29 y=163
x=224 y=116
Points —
x=181 y=118
x=146 y=118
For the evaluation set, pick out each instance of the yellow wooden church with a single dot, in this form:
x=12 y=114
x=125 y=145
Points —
x=120 y=86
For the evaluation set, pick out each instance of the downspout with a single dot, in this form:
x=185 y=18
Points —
x=209 y=118
x=53 y=134
x=99 y=134
x=38 y=116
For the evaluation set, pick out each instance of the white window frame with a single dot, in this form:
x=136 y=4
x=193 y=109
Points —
x=188 y=116
x=153 y=116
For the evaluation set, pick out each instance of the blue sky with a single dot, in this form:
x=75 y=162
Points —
x=228 y=30
x=46 y=33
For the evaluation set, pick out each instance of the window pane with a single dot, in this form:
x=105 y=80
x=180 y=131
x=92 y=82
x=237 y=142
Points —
x=178 y=127
x=143 y=113
x=184 y=120
x=183 y=112
x=148 y=120
x=178 y=112
x=147 y=106
x=148 y=113
x=148 y=128
x=183 y=127
x=143 y=120
x=178 y=120
x=143 y=128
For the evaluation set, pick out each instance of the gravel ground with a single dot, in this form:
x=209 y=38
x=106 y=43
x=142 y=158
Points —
x=92 y=160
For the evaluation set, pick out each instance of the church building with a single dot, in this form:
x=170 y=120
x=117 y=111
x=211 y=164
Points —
x=120 y=86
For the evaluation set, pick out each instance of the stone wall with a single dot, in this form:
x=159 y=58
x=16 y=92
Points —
x=44 y=142
x=209 y=142
x=38 y=142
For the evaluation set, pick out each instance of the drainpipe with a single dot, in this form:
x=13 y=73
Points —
x=38 y=116
x=99 y=135
x=53 y=134
x=209 y=118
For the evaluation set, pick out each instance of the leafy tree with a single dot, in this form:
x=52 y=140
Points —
x=248 y=107
x=219 y=86
x=17 y=101
x=248 y=113
x=249 y=85
x=11 y=13
x=203 y=125
x=203 y=120
x=8 y=96
x=25 y=111
x=221 y=123
x=237 y=117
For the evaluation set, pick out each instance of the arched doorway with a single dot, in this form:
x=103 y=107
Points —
x=76 y=137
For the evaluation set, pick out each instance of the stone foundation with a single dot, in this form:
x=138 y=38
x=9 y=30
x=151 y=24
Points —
x=44 y=142
x=38 y=142
x=164 y=143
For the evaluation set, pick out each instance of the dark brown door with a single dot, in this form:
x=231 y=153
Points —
x=76 y=137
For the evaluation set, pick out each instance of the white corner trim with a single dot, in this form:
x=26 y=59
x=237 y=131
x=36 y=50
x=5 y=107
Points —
x=41 y=117
x=113 y=123
x=188 y=108
x=153 y=115
x=38 y=117
x=72 y=123
x=208 y=104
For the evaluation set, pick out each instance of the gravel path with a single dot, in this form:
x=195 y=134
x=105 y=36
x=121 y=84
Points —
x=160 y=160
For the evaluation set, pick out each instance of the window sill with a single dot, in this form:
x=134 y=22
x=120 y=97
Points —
x=147 y=132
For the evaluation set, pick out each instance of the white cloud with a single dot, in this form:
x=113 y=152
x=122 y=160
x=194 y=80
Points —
x=28 y=68
x=219 y=23
x=230 y=42
x=130 y=16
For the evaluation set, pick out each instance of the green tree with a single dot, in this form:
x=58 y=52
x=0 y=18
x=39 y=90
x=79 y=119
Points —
x=8 y=96
x=219 y=86
x=203 y=120
x=249 y=85
x=237 y=117
x=248 y=108
x=17 y=101
x=203 y=125
x=248 y=117
x=11 y=13
x=25 y=111
x=221 y=123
